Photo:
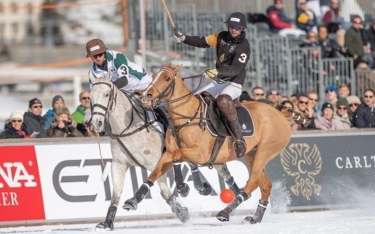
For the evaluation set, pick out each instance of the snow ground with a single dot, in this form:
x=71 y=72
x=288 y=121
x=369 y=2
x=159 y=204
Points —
x=332 y=222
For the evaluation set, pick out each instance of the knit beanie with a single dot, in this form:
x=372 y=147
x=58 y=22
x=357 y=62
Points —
x=57 y=98
x=342 y=102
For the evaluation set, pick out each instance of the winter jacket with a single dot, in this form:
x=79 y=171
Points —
x=304 y=21
x=341 y=122
x=34 y=123
x=79 y=114
x=364 y=117
x=49 y=117
x=70 y=130
x=232 y=54
x=278 y=19
x=10 y=132
x=323 y=123
x=353 y=42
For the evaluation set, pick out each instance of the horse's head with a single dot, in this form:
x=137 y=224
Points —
x=162 y=86
x=101 y=95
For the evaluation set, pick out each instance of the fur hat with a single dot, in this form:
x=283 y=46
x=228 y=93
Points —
x=353 y=99
x=62 y=110
x=342 y=102
x=16 y=115
x=56 y=98
x=34 y=101
x=327 y=105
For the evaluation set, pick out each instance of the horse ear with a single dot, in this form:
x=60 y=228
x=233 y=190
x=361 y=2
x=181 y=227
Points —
x=177 y=68
x=168 y=64
x=91 y=78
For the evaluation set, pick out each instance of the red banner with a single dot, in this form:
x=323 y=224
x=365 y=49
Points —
x=20 y=189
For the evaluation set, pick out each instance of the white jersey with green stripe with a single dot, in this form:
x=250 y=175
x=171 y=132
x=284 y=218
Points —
x=119 y=66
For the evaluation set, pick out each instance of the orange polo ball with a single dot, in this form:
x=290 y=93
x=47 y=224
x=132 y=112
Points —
x=227 y=196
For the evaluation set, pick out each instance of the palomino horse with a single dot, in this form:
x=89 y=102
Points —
x=272 y=134
x=133 y=142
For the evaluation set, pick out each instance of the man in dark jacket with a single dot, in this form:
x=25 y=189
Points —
x=354 y=43
x=233 y=53
x=33 y=119
x=364 y=115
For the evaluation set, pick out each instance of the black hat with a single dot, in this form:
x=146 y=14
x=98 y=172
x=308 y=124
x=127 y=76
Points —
x=238 y=19
x=327 y=105
x=34 y=101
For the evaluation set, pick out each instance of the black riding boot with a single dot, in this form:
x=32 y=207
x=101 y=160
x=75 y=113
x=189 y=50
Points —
x=161 y=115
x=228 y=110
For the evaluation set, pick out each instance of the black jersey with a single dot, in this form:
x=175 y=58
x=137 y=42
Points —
x=232 y=53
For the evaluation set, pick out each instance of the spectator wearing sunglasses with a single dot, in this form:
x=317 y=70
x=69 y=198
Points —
x=353 y=103
x=34 y=120
x=302 y=107
x=257 y=93
x=57 y=101
x=324 y=121
x=79 y=113
x=364 y=116
x=14 y=128
x=340 y=118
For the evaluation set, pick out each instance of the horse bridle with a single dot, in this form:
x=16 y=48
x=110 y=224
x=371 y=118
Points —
x=111 y=102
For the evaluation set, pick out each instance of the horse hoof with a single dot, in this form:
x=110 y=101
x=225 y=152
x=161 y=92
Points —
x=183 y=190
x=207 y=189
x=222 y=216
x=183 y=214
x=130 y=204
x=250 y=220
x=106 y=226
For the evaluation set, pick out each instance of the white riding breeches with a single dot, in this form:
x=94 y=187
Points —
x=215 y=89
x=141 y=85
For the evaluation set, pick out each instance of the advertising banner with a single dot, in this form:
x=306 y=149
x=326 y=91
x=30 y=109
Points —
x=72 y=186
x=20 y=187
x=326 y=171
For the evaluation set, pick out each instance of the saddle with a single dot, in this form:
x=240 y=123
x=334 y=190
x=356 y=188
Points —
x=216 y=123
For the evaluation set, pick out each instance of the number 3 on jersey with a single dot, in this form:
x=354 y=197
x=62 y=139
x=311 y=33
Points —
x=123 y=70
x=242 y=58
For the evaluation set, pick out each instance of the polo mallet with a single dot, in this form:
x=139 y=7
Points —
x=169 y=15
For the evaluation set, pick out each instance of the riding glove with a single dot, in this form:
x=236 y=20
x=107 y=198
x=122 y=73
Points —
x=178 y=36
x=210 y=73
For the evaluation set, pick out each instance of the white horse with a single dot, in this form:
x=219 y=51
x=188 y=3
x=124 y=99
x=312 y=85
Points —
x=133 y=142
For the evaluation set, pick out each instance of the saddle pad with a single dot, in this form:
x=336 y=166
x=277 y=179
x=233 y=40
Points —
x=216 y=127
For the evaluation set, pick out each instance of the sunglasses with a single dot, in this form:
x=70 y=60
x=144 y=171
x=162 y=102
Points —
x=312 y=99
x=84 y=98
x=354 y=104
x=301 y=102
x=258 y=94
x=274 y=94
x=39 y=106
x=330 y=90
x=354 y=22
x=368 y=96
x=97 y=55
x=16 y=121
x=235 y=27
x=341 y=108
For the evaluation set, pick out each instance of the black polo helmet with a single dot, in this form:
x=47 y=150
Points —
x=238 y=19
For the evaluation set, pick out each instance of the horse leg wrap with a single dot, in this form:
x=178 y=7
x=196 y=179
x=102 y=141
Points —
x=203 y=188
x=233 y=186
x=224 y=214
x=181 y=212
x=132 y=203
x=108 y=223
x=258 y=216
x=182 y=188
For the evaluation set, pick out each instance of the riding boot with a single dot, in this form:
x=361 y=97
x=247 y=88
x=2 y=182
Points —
x=240 y=141
x=228 y=110
x=161 y=115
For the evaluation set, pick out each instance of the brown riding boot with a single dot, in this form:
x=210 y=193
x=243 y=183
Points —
x=228 y=110
x=240 y=141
